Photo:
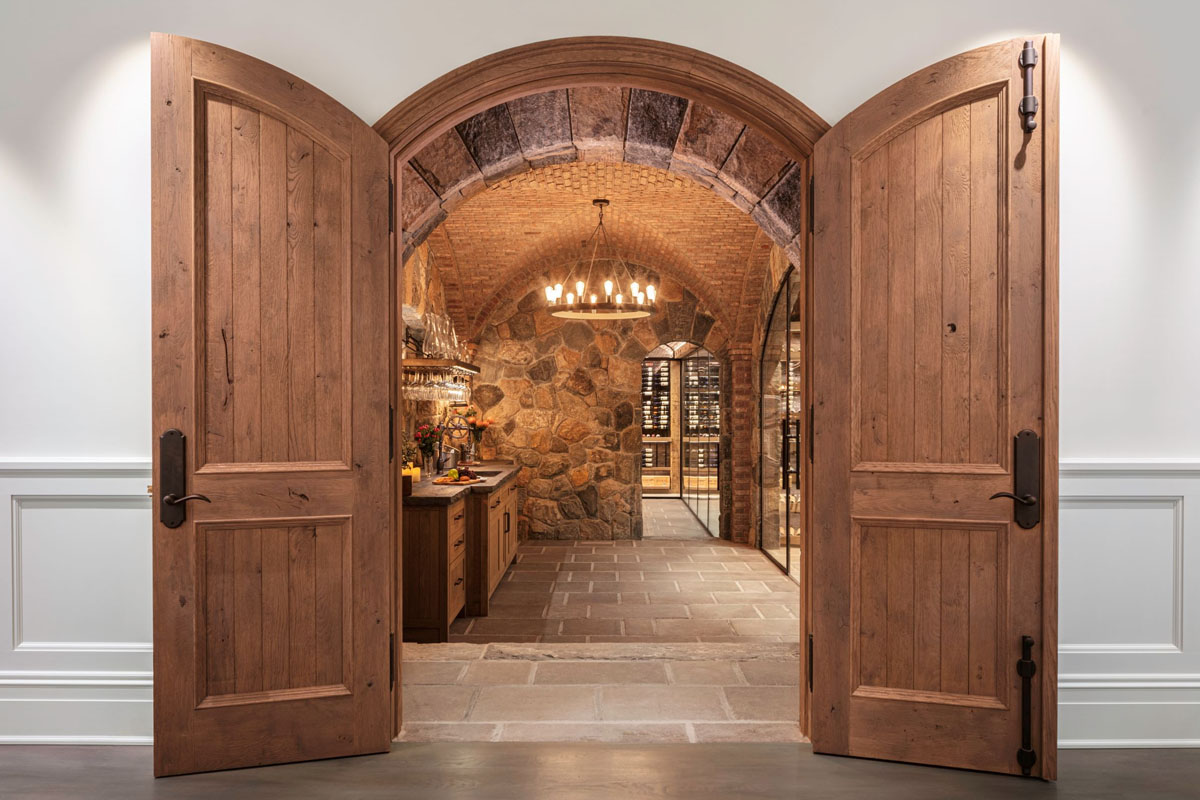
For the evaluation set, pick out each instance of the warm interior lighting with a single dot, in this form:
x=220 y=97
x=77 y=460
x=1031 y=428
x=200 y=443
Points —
x=597 y=249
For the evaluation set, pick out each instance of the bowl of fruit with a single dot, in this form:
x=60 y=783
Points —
x=458 y=477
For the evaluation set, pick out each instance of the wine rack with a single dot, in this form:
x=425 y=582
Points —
x=701 y=417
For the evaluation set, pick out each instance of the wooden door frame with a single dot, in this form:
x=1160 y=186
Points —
x=610 y=61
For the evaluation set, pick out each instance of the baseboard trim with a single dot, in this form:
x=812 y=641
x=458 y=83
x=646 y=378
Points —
x=78 y=740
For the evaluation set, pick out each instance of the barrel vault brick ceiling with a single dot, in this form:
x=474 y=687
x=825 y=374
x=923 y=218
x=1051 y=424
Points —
x=731 y=163
x=502 y=243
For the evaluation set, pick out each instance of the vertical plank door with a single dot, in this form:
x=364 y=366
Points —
x=270 y=293
x=935 y=286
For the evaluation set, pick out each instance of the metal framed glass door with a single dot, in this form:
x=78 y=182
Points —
x=783 y=446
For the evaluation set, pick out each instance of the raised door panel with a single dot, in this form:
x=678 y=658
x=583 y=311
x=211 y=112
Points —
x=928 y=280
x=273 y=270
x=274 y=610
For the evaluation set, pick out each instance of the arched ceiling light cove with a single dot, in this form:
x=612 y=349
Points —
x=602 y=288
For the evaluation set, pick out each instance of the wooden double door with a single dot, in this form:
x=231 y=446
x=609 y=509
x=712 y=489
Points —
x=934 y=269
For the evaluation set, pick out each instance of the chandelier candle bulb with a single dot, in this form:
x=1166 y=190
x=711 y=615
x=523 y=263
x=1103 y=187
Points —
x=598 y=257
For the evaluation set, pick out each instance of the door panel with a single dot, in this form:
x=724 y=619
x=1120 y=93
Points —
x=270 y=279
x=935 y=339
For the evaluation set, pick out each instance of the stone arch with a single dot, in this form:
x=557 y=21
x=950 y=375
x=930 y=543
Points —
x=602 y=123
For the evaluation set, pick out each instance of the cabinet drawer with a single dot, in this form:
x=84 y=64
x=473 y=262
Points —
x=456 y=543
x=456 y=524
x=456 y=587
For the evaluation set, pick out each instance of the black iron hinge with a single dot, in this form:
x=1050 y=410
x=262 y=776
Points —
x=1026 y=669
x=391 y=205
x=391 y=432
x=810 y=654
x=392 y=659
x=1029 y=103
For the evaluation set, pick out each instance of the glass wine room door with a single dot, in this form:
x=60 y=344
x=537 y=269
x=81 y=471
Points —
x=784 y=444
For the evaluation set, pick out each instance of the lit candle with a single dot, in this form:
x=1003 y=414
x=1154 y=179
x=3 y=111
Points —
x=570 y=298
x=650 y=292
x=557 y=290
x=549 y=294
x=641 y=299
x=579 y=288
x=633 y=288
x=593 y=299
x=619 y=298
x=608 y=288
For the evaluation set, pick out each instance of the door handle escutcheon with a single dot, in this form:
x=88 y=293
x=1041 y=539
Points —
x=1027 y=479
x=172 y=500
x=1025 y=500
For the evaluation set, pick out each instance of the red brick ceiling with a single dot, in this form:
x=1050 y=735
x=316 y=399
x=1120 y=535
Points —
x=501 y=242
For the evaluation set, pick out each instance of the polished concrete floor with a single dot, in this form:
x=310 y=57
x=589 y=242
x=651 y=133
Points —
x=499 y=771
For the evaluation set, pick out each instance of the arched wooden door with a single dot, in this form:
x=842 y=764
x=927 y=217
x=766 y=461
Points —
x=935 y=379
x=270 y=399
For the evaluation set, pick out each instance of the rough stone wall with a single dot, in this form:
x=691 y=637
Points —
x=566 y=398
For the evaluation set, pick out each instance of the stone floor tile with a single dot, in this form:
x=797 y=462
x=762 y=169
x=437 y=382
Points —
x=692 y=627
x=704 y=673
x=716 y=611
x=633 y=611
x=775 y=611
x=592 y=598
x=771 y=673
x=633 y=627
x=534 y=703
x=491 y=673
x=488 y=638
x=443 y=672
x=662 y=703
x=442 y=651
x=766 y=627
x=566 y=612
x=600 y=672
x=775 y=703
x=423 y=703
x=484 y=625
x=612 y=627
x=709 y=586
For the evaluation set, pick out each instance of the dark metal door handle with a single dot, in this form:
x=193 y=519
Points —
x=1025 y=500
x=1027 y=479
x=172 y=500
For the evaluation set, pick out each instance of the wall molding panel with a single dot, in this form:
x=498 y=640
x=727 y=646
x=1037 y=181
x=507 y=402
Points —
x=75 y=652
x=75 y=637
x=1129 y=645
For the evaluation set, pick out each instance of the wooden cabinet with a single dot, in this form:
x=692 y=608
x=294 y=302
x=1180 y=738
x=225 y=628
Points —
x=492 y=544
x=435 y=569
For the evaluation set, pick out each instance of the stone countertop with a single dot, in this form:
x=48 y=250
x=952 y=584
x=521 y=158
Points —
x=428 y=493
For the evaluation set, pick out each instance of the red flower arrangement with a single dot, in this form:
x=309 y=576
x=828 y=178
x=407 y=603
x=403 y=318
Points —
x=428 y=437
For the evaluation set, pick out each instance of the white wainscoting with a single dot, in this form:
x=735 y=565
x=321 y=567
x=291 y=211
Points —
x=75 y=621
x=75 y=571
x=1129 y=625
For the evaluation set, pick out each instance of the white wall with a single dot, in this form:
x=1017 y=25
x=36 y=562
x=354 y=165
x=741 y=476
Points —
x=74 y=197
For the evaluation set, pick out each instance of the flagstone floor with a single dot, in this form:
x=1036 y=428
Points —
x=675 y=638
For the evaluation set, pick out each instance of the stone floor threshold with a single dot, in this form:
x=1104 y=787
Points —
x=618 y=692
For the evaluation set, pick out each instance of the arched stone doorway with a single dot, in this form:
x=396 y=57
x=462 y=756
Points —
x=612 y=99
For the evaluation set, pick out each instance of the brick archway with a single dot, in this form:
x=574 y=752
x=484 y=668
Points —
x=699 y=100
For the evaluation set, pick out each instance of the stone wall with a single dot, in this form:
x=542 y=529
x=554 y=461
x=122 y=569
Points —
x=566 y=398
